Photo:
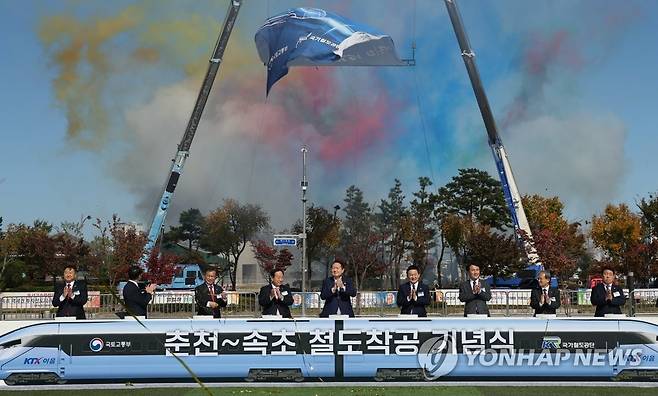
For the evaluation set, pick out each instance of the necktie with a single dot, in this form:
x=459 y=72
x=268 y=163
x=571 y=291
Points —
x=212 y=293
x=68 y=290
x=546 y=300
x=474 y=283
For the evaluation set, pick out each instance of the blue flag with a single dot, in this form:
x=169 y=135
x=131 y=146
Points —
x=315 y=37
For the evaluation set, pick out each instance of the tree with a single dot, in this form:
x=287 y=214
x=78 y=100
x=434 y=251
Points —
x=475 y=195
x=118 y=247
x=284 y=259
x=649 y=210
x=470 y=199
x=359 y=239
x=422 y=230
x=270 y=258
x=322 y=234
x=161 y=268
x=559 y=244
x=618 y=233
x=544 y=213
x=39 y=249
x=497 y=255
x=265 y=255
x=560 y=253
x=12 y=268
x=395 y=230
x=190 y=229
x=228 y=229
x=649 y=251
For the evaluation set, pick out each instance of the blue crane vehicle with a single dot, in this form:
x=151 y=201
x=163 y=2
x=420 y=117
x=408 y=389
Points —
x=184 y=146
x=510 y=190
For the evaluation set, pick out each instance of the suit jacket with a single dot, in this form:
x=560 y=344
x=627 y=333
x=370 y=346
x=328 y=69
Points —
x=271 y=305
x=71 y=306
x=475 y=303
x=417 y=306
x=339 y=299
x=607 y=307
x=548 y=307
x=136 y=299
x=202 y=298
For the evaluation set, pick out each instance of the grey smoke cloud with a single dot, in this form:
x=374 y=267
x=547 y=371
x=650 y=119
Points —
x=558 y=144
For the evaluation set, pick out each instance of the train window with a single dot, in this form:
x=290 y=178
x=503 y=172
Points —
x=10 y=344
x=179 y=273
x=191 y=274
x=199 y=275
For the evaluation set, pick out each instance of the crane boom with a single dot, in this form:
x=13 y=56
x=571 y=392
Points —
x=185 y=143
x=510 y=190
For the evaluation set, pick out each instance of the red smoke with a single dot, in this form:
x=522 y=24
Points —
x=308 y=106
x=556 y=49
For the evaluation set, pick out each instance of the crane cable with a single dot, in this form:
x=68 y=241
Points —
x=419 y=108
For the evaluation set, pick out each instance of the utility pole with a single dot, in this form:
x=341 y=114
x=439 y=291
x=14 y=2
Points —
x=303 y=236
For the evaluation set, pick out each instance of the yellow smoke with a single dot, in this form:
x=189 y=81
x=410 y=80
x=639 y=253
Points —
x=86 y=55
x=83 y=67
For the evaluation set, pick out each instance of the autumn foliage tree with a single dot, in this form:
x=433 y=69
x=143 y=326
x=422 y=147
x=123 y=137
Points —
x=116 y=249
x=618 y=233
x=160 y=268
x=270 y=258
x=559 y=244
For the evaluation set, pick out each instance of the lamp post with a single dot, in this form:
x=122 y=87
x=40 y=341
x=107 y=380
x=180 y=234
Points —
x=304 y=186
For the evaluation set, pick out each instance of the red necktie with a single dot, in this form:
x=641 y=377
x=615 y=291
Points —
x=67 y=292
x=546 y=300
x=212 y=293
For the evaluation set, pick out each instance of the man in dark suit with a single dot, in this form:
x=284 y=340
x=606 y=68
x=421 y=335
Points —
x=608 y=297
x=474 y=292
x=276 y=298
x=70 y=296
x=336 y=292
x=209 y=297
x=413 y=296
x=135 y=297
x=545 y=299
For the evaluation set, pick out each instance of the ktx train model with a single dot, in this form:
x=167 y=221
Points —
x=329 y=349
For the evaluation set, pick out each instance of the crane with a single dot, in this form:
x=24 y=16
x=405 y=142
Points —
x=184 y=146
x=510 y=190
